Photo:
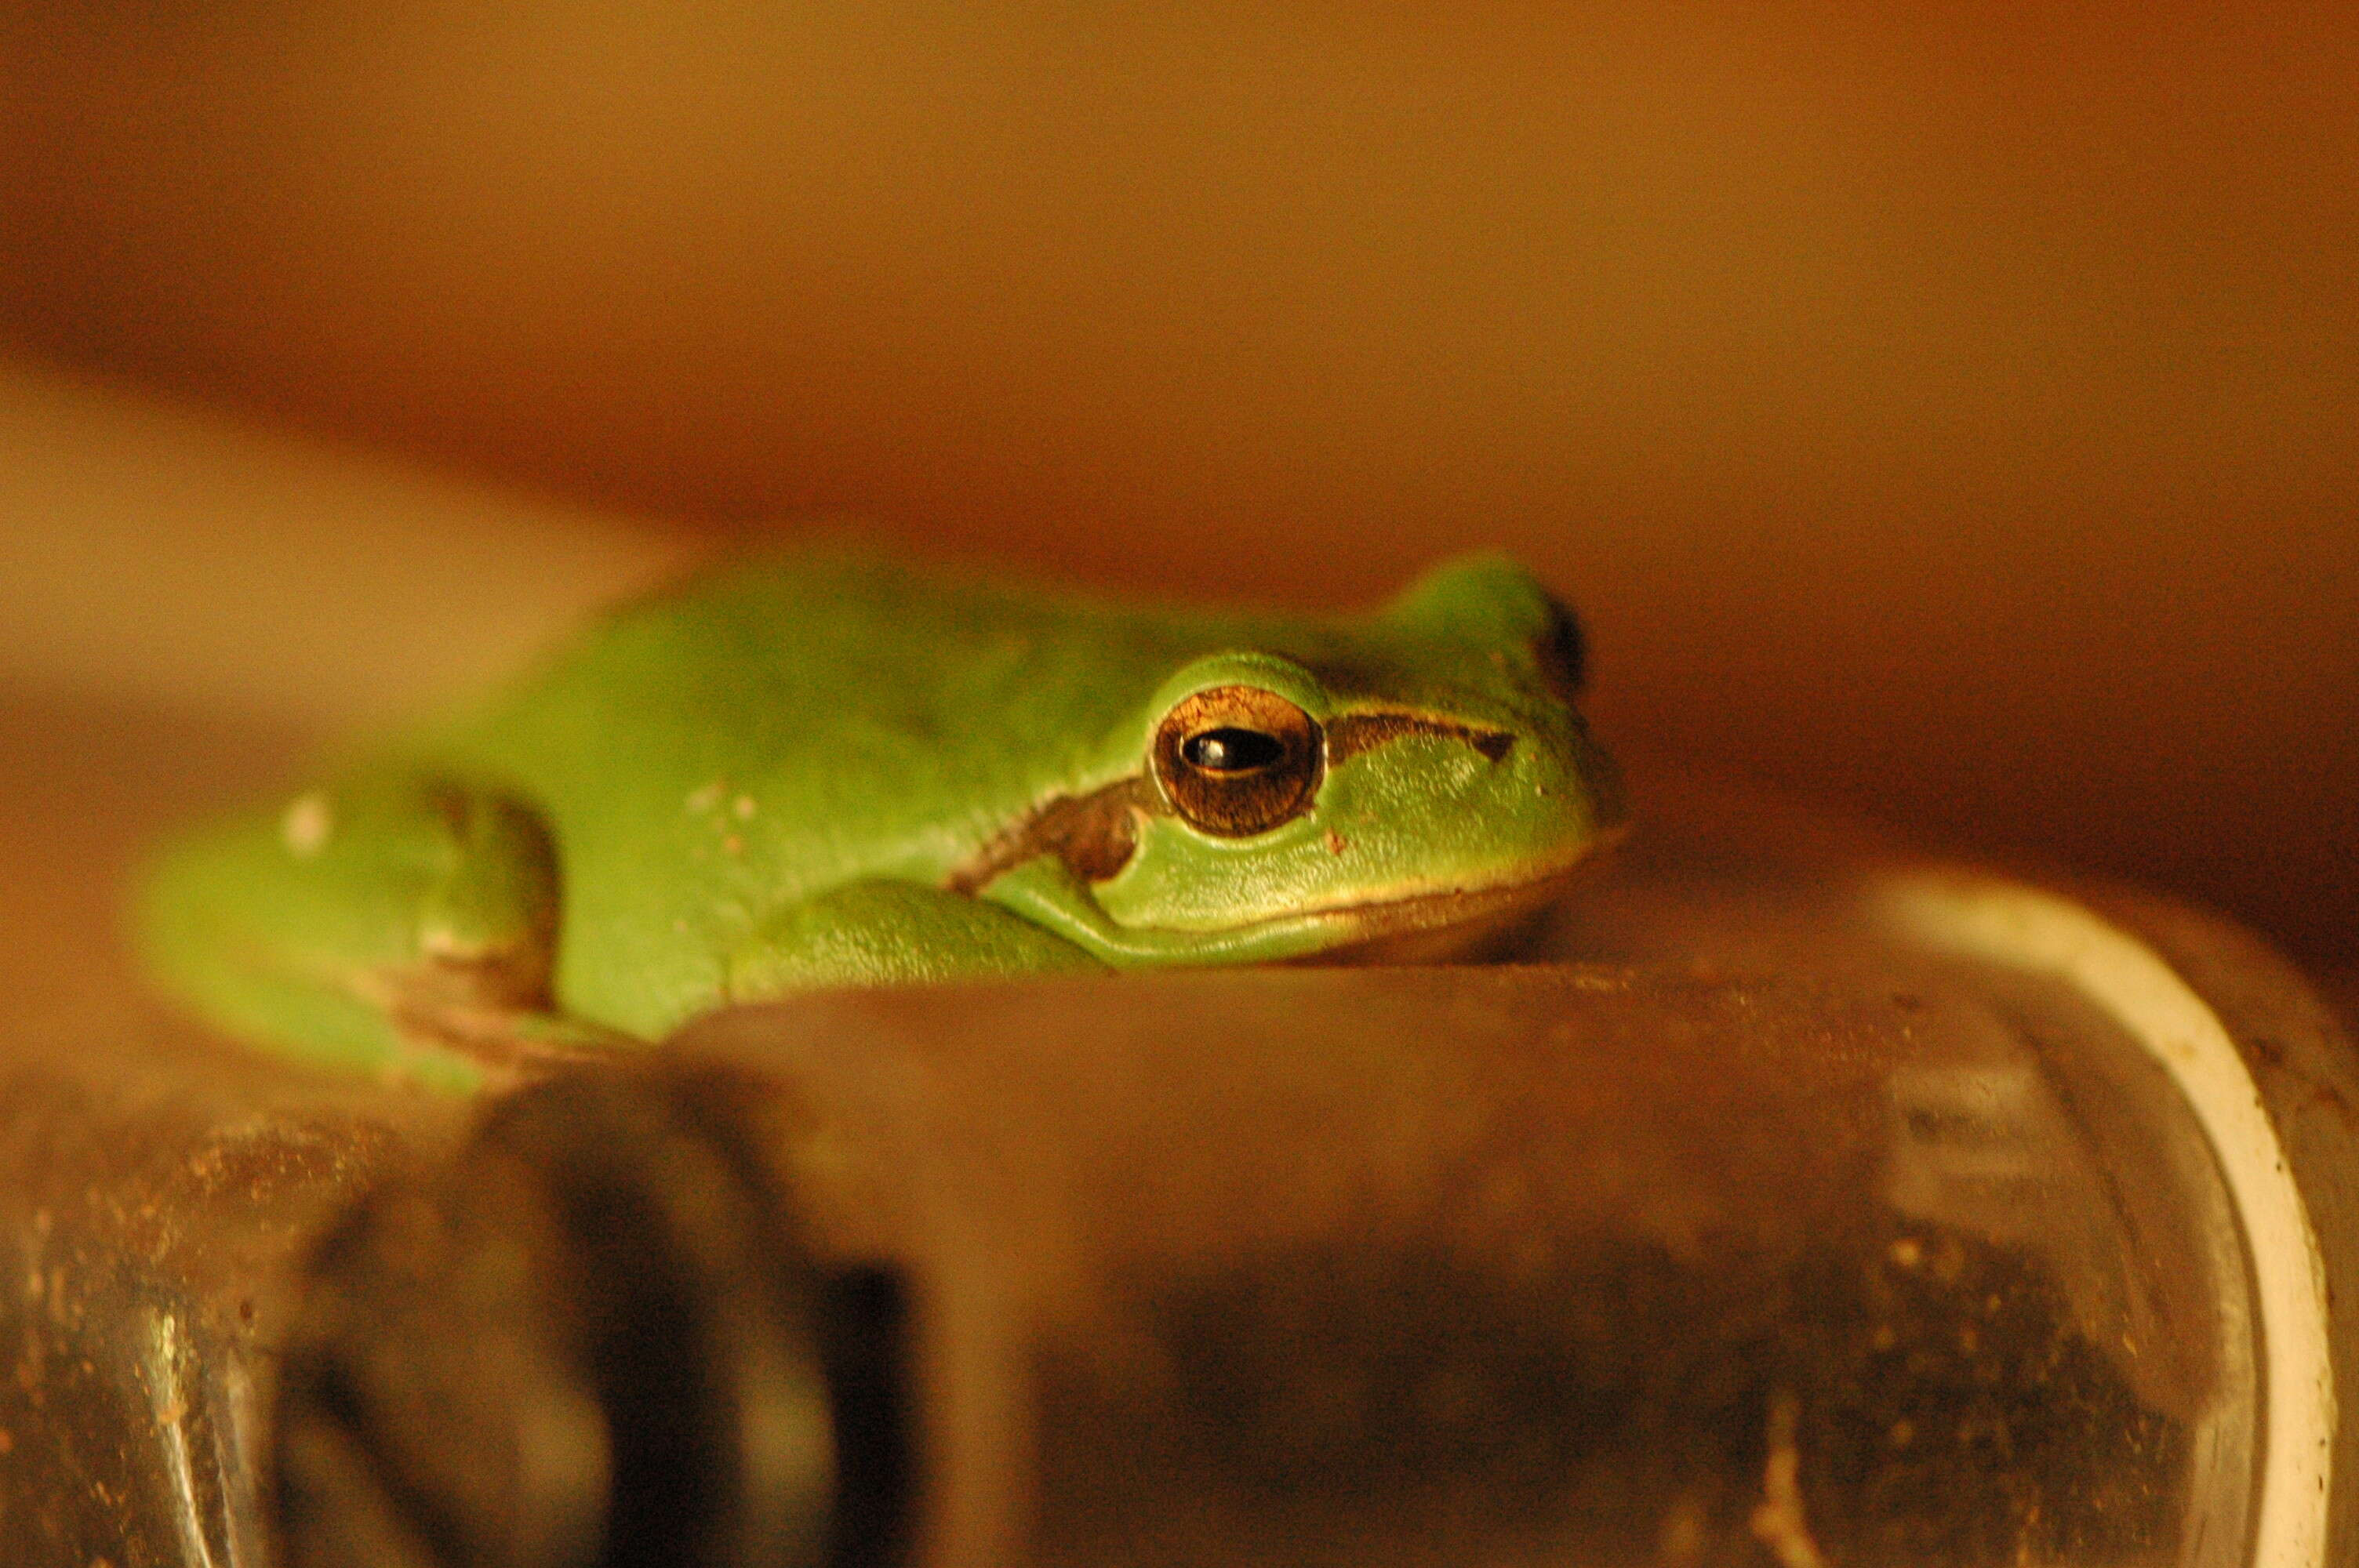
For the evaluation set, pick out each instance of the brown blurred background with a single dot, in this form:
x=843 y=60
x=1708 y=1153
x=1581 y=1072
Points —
x=1945 y=411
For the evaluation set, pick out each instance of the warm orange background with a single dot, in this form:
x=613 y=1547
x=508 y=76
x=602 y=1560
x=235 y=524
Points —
x=1946 y=410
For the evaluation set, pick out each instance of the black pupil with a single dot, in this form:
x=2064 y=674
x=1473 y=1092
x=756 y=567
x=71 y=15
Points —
x=1232 y=751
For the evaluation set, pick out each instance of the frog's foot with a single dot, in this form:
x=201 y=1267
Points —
x=508 y=1038
x=398 y=925
x=889 y=933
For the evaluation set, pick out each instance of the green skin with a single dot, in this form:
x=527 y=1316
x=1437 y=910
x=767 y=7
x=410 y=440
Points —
x=835 y=769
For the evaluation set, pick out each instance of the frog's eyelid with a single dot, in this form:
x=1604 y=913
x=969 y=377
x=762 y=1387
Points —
x=1349 y=734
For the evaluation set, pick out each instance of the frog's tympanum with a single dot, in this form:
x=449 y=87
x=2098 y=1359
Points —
x=834 y=769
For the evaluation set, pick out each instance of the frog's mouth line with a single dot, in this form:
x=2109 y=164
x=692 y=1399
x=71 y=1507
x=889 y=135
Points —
x=1418 y=924
x=1447 y=909
x=1484 y=906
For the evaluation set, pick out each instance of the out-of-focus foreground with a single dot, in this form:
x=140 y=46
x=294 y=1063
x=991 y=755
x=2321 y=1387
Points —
x=1944 y=412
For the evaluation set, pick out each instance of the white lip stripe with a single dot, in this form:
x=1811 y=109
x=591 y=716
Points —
x=2024 y=928
x=1516 y=879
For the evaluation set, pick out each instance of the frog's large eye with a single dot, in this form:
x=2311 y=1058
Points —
x=1237 y=760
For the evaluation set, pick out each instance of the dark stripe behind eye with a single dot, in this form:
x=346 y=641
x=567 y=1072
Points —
x=1353 y=734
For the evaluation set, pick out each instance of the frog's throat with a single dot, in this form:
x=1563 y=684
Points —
x=1095 y=834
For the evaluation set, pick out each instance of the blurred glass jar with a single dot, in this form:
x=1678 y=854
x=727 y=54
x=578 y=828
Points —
x=1808 y=1205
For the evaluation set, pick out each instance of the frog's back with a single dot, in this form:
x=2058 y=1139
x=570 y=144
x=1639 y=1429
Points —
x=709 y=757
x=823 y=672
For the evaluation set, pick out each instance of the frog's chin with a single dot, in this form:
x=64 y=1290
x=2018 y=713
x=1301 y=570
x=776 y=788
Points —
x=1435 y=925
x=1412 y=921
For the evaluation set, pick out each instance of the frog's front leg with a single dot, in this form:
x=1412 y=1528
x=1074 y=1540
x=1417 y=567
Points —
x=892 y=933
x=403 y=924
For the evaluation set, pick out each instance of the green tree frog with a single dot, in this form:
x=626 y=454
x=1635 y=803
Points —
x=837 y=768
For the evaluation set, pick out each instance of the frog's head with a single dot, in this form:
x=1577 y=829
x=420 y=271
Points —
x=1417 y=769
